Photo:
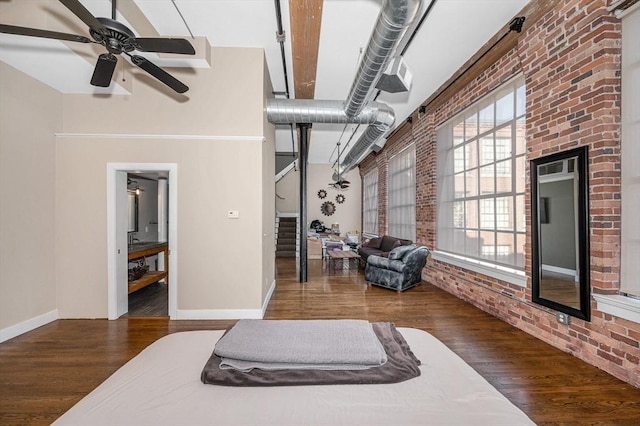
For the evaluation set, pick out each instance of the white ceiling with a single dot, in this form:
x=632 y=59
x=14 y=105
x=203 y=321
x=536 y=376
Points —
x=452 y=33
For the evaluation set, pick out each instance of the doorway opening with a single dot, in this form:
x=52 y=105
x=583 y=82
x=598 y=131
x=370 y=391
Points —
x=142 y=232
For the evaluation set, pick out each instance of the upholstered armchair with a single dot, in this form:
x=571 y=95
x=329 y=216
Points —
x=400 y=271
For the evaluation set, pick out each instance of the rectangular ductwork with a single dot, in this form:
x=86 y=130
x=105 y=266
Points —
x=397 y=78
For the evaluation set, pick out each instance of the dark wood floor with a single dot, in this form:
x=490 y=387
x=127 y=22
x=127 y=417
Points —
x=44 y=372
x=560 y=288
x=150 y=301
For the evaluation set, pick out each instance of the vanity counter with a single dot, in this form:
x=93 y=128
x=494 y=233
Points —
x=144 y=249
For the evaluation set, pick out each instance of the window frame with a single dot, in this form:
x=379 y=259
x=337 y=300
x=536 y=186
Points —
x=469 y=135
x=406 y=190
x=370 y=180
x=625 y=305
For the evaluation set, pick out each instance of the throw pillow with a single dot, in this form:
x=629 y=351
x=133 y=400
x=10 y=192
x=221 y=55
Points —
x=374 y=243
x=399 y=252
x=386 y=253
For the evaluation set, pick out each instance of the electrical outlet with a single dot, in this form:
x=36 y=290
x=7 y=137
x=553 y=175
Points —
x=563 y=318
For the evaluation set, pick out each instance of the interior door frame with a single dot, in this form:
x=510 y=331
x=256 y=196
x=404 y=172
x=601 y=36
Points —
x=117 y=288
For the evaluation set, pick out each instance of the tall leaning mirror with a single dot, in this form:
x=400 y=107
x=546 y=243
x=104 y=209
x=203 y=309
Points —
x=560 y=232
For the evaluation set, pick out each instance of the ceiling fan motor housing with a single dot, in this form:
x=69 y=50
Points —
x=117 y=38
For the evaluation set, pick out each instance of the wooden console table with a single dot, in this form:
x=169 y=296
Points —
x=141 y=250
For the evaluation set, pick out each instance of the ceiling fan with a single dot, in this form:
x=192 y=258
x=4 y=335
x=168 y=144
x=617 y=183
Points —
x=117 y=38
x=340 y=182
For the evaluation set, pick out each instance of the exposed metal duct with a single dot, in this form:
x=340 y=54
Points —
x=394 y=18
x=366 y=141
x=281 y=111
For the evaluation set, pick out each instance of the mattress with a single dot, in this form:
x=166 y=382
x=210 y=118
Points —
x=161 y=386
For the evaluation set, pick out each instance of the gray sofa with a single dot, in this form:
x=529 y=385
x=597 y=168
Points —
x=380 y=246
x=400 y=271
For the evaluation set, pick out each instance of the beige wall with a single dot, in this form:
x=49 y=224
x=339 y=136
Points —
x=28 y=121
x=224 y=150
x=222 y=100
x=268 y=191
x=220 y=170
x=289 y=189
x=214 y=253
x=347 y=214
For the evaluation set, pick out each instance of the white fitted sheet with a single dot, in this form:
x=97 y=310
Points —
x=161 y=386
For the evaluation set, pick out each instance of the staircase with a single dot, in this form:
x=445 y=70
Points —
x=287 y=232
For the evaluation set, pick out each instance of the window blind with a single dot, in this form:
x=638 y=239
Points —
x=401 y=191
x=630 y=214
x=370 y=203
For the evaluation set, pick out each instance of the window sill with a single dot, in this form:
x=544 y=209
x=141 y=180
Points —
x=502 y=273
x=619 y=306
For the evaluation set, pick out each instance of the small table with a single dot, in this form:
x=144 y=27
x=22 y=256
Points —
x=334 y=255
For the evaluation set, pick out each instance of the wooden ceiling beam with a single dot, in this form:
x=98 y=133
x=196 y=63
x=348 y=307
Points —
x=306 y=18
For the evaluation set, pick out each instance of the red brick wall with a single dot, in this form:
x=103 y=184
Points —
x=571 y=62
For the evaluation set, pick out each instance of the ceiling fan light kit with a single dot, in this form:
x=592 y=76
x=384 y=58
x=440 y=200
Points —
x=117 y=38
x=104 y=69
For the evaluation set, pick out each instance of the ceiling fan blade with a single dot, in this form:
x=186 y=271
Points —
x=159 y=73
x=81 y=12
x=34 y=32
x=164 y=45
x=103 y=72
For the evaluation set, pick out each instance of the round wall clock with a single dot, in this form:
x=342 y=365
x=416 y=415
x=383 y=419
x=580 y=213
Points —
x=328 y=208
x=340 y=198
x=322 y=194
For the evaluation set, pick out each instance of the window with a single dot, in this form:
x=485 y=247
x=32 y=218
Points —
x=630 y=226
x=370 y=203
x=627 y=304
x=401 y=207
x=481 y=179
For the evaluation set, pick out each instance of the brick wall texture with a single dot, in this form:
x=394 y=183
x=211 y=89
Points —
x=571 y=62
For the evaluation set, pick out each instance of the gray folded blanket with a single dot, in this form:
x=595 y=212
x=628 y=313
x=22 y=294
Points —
x=401 y=365
x=300 y=344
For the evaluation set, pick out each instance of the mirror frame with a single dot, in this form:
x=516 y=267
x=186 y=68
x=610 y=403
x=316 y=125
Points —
x=328 y=208
x=581 y=155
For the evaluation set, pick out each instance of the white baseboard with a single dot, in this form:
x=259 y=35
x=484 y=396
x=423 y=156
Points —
x=28 y=325
x=224 y=314
x=267 y=298
x=559 y=270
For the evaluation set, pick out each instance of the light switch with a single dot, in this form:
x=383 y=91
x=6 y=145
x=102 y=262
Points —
x=233 y=214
